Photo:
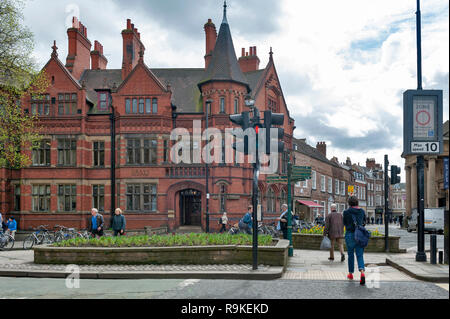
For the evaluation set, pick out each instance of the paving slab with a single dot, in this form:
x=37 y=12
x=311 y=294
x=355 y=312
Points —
x=420 y=270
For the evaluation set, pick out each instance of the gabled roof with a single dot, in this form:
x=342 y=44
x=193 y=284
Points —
x=224 y=65
x=63 y=67
x=149 y=72
x=100 y=79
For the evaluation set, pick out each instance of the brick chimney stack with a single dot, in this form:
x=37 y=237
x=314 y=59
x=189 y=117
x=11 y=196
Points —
x=132 y=45
x=78 y=57
x=348 y=162
x=322 y=148
x=249 y=61
x=211 y=37
x=98 y=60
x=370 y=163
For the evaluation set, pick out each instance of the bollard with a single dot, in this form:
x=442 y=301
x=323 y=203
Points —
x=433 y=250
x=441 y=257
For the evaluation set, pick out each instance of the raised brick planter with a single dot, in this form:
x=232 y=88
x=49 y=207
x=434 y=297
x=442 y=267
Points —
x=376 y=244
x=196 y=255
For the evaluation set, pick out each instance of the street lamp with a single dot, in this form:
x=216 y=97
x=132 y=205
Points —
x=208 y=105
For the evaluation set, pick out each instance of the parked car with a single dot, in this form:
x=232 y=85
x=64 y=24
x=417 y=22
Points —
x=434 y=220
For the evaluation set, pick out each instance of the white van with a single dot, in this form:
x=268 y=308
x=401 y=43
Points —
x=434 y=220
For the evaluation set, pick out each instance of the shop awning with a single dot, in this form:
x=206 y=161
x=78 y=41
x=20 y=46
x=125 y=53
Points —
x=309 y=203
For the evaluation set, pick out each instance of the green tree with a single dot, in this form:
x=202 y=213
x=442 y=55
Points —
x=20 y=78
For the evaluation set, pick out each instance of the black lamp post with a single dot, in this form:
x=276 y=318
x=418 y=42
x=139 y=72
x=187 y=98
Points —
x=208 y=105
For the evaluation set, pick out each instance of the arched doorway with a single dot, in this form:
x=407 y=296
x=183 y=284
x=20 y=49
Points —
x=190 y=207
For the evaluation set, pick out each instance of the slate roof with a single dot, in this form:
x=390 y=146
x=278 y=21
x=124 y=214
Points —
x=310 y=151
x=224 y=65
x=185 y=91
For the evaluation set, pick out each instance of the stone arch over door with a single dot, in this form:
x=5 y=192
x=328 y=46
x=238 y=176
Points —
x=173 y=205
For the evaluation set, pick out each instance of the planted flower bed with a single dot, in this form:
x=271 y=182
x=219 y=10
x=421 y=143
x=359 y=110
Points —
x=376 y=243
x=167 y=241
x=192 y=249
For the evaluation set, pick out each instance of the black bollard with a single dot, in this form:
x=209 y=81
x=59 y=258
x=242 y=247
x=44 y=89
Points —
x=433 y=249
x=441 y=257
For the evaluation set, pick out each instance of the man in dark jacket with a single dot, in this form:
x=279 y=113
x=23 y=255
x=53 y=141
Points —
x=96 y=223
x=334 y=229
x=118 y=223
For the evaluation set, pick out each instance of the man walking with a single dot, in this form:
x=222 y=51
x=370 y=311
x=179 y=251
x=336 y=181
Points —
x=96 y=223
x=334 y=229
x=246 y=224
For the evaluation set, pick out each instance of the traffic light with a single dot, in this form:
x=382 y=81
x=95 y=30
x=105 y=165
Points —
x=274 y=119
x=243 y=120
x=395 y=179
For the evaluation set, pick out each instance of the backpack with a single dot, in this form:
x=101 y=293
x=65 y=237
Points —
x=362 y=235
x=220 y=220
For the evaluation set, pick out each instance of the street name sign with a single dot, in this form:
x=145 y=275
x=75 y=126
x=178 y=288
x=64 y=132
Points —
x=422 y=122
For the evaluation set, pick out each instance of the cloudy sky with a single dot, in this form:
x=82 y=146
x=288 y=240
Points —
x=343 y=65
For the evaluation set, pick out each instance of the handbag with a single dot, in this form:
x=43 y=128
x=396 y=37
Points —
x=362 y=235
x=326 y=243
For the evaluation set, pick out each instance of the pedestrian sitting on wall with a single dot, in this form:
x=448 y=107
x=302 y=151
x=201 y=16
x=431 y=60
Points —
x=118 y=223
x=96 y=223
x=334 y=229
x=11 y=227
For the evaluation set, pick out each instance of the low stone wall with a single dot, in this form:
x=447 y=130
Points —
x=376 y=244
x=196 y=255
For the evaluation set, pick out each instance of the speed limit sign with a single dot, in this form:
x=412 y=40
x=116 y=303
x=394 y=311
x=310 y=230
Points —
x=422 y=122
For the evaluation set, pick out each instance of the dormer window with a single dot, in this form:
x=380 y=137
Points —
x=103 y=98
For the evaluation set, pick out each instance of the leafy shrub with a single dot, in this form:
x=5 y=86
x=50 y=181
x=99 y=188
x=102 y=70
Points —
x=167 y=241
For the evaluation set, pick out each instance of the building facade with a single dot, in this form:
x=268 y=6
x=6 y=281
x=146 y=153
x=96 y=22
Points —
x=328 y=184
x=107 y=136
x=435 y=193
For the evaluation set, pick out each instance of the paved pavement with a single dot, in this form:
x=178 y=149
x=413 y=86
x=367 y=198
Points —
x=304 y=265
x=408 y=240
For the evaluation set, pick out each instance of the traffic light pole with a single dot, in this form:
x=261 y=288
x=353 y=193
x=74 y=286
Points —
x=289 y=215
x=386 y=203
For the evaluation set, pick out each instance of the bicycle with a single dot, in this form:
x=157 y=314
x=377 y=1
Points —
x=39 y=237
x=65 y=233
x=234 y=229
x=6 y=241
x=84 y=234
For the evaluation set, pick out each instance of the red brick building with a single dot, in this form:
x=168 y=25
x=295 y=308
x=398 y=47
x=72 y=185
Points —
x=106 y=136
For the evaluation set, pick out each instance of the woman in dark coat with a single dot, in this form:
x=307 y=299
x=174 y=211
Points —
x=351 y=216
x=334 y=229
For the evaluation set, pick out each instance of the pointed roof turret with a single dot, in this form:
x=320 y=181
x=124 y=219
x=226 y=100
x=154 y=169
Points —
x=224 y=65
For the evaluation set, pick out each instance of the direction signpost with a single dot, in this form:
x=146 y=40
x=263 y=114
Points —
x=295 y=174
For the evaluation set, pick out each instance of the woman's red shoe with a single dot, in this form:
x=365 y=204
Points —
x=362 y=281
x=350 y=276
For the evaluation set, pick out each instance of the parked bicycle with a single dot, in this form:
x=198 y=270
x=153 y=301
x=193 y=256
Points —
x=40 y=236
x=6 y=241
x=65 y=233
